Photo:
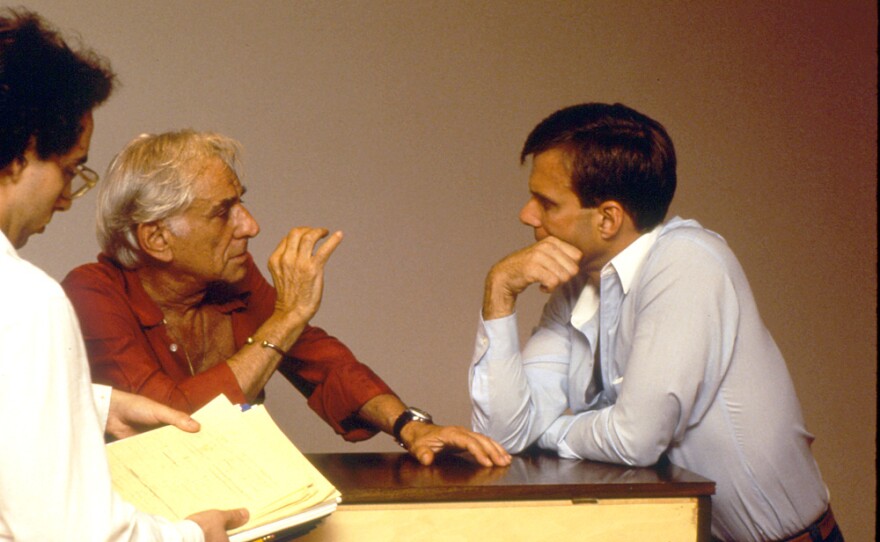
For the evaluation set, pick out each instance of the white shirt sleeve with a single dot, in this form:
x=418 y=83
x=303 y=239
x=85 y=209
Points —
x=102 y=402
x=54 y=478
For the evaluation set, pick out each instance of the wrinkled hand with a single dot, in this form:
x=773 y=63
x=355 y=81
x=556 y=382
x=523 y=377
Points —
x=131 y=414
x=297 y=269
x=550 y=262
x=424 y=441
x=215 y=523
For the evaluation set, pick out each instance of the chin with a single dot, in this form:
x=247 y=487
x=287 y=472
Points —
x=25 y=236
x=236 y=274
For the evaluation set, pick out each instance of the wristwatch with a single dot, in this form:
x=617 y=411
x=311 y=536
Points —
x=411 y=414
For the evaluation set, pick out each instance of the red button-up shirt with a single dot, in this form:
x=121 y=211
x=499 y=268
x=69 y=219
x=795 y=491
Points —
x=129 y=348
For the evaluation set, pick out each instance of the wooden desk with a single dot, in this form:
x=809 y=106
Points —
x=390 y=497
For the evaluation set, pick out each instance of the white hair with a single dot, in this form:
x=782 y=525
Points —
x=152 y=179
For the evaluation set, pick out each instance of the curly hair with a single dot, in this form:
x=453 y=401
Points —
x=46 y=88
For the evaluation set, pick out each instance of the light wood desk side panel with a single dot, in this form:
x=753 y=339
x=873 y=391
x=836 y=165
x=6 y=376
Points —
x=390 y=497
x=671 y=519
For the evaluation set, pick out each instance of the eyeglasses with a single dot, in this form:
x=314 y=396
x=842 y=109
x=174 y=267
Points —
x=84 y=179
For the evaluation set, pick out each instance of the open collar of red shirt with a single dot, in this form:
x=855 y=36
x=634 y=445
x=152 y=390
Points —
x=226 y=298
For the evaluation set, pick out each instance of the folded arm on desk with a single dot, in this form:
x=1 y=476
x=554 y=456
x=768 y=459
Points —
x=516 y=396
x=684 y=329
x=683 y=326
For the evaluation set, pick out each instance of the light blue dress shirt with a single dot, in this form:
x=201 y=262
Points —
x=687 y=369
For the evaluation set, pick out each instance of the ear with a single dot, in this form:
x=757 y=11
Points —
x=612 y=217
x=12 y=172
x=153 y=239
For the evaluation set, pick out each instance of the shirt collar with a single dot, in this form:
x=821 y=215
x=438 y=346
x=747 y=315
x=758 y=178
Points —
x=629 y=261
x=225 y=300
x=626 y=265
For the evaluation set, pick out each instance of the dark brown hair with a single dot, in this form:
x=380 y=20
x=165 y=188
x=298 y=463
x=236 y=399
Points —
x=614 y=153
x=45 y=87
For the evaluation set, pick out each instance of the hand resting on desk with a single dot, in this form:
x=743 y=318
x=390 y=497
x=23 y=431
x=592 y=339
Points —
x=425 y=441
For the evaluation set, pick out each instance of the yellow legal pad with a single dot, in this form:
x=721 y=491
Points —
x=237 y=459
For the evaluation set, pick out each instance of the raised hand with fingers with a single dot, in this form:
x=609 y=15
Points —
x=297 y=268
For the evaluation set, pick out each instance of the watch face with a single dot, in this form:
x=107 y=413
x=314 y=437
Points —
x=419 y=414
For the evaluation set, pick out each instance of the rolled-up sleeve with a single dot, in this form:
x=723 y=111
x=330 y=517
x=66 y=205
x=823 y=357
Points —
x=336 y=383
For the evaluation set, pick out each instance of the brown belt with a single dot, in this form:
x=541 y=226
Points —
x=825 y=524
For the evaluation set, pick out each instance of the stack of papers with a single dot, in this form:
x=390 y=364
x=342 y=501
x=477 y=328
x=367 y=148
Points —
x=238 y=459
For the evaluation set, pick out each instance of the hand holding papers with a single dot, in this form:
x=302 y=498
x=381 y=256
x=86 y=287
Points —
x=237 y=459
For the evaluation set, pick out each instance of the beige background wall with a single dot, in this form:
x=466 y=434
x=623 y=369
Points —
x=399 y=122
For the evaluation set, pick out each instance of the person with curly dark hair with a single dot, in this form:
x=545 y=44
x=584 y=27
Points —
x=54 y=478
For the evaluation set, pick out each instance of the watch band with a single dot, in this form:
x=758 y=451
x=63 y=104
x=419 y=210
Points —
x=411 y=414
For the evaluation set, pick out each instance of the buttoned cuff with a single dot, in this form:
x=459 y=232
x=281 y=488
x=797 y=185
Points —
x=497 y=339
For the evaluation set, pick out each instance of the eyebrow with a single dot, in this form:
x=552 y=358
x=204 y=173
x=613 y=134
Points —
x=82 y=160
x=226 y=203
x=223 y=205
x=542 y=198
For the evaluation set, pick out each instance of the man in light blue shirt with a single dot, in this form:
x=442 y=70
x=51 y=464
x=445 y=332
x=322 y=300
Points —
x=651 y=344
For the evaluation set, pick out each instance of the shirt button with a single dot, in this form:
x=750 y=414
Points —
x=173 y=347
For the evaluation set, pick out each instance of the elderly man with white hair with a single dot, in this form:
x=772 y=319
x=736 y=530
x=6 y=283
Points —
x=176 y=309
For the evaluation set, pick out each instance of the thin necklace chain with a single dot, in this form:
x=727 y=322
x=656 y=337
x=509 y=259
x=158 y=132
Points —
x=192 y=370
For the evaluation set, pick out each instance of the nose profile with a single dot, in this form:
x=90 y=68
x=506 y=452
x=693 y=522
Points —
x=64 y=200
x=248 y=226
x=528 y=215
